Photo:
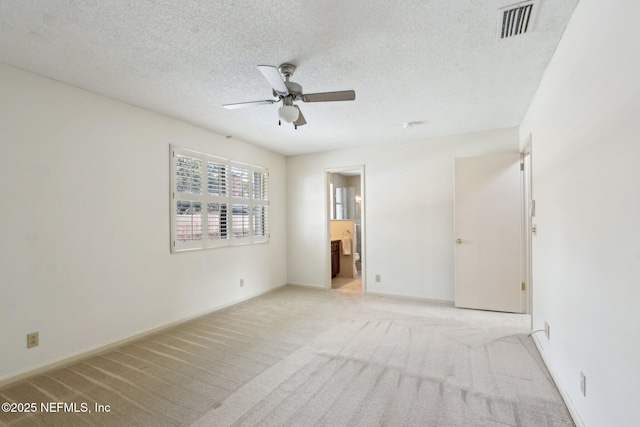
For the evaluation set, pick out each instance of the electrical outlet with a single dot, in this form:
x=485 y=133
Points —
x=583 y=384
x=241 y=282
x=377 y=277
x=33 y=339
x=547 y=330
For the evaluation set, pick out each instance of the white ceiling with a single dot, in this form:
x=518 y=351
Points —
x=435 y=61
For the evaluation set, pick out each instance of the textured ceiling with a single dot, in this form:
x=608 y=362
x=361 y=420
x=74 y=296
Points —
x=433 y=61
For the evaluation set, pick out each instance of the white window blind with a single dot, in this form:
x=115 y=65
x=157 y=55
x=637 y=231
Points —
x=216 y=202
x=260 y=186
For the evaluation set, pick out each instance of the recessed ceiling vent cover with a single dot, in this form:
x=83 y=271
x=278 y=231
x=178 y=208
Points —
x=516 y=19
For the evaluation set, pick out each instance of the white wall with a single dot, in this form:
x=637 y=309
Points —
x=586 y=153
x=84 y=221
x=409 y=211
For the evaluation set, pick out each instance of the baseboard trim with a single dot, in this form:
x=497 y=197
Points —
x=447 y=302
x=303 y=285
x=107 y=347
x=565 y=396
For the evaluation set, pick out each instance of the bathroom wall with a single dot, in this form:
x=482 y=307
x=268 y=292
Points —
x=354 y=182
x=351 y=183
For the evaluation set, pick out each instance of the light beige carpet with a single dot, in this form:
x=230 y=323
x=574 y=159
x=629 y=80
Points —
x=306 y=357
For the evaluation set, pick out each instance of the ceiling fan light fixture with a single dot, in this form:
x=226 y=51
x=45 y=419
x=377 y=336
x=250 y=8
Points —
x=287 y=92
x=288 y=113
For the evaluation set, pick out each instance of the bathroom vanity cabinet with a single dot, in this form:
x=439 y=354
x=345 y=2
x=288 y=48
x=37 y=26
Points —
x=335 y=258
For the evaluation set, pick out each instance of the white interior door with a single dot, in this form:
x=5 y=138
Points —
x=488 y=231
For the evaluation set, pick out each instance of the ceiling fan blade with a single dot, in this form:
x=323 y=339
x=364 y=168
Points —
x=301 y=121
x=344 y=95
x=248 y=104
x=274 y=78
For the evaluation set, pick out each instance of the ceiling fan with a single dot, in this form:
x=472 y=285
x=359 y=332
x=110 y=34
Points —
x=288 y=92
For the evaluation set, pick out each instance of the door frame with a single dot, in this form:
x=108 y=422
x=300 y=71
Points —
x=327 y=212
x=528 y=213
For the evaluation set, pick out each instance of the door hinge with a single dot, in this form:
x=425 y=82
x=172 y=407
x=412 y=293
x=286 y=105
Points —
x=524 y=287
x=521 y=166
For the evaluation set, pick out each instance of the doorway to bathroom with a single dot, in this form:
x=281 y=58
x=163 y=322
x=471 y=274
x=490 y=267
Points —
x=346 y=229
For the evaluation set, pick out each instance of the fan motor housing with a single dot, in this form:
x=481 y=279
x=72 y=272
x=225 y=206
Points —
x=294 y=89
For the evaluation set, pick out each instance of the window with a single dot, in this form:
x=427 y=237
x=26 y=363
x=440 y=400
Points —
x=216 y=202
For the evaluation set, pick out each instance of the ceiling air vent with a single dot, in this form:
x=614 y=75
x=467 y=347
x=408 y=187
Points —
x=516 y=19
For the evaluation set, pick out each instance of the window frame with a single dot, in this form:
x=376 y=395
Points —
x=249 y=198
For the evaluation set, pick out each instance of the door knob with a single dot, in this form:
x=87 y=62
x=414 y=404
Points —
x=459 y=241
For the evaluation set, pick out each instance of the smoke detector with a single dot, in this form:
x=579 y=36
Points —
x=409 y=125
